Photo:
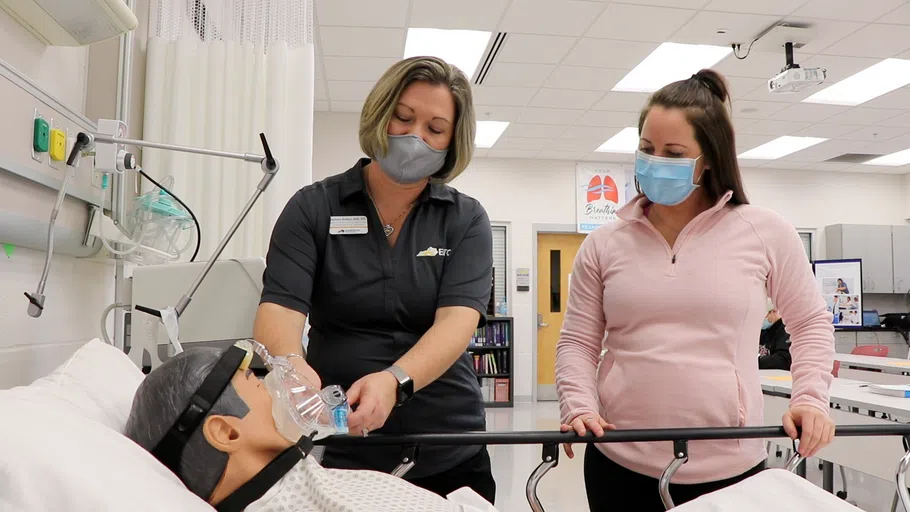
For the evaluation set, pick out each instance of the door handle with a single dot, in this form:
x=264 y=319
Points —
x=540 y=322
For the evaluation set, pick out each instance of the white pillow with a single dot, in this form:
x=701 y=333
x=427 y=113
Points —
x=97 y=382
x=53 y=459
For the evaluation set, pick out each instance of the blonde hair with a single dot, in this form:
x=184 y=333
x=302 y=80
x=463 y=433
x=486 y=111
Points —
x=382 y=101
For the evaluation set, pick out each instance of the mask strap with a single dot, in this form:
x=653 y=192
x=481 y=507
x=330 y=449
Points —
x=257 y=486
x=170 y=449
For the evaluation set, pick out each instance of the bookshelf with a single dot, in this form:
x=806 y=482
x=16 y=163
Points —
x=492 y=351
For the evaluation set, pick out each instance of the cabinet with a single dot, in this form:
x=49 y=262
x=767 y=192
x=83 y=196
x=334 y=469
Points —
x=900 y=245
x=872 y=244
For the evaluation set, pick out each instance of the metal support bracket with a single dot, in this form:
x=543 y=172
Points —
x=795 y=461
x=408 y=460
x=680 y=457
x=549 y=460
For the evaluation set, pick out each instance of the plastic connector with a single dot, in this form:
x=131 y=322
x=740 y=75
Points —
x=41 y=136
x=58 y=145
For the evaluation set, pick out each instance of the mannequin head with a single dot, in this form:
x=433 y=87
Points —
x=235 y=440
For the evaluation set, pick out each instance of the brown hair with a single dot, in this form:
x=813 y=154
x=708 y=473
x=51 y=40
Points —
x=705 y=99
x=383 y=99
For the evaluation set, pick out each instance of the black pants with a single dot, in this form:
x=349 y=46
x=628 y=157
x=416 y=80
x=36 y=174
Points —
x=610 y=485
x=475 y=473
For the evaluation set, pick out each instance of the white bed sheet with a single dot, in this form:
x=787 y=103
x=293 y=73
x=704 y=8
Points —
x=774 y=489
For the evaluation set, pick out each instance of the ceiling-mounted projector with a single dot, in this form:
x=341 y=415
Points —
x=72 y=22
x=793 y=78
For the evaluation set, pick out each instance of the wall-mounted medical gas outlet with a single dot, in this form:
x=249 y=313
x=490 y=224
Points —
x=41 y=137
x=57 y=149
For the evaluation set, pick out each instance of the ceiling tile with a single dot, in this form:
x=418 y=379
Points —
x=357 y=13
x=550 y=17
x=682 y=4
x=609 y=53
x=897 y=170
x=777 y=164
x=808 y=112
x=902 y=120
x=512 y=153
x=584 y=78
x=550 y=154
x=362 y=42
x=889 y=146
x=876 y=133
x=549 y=115
x=601 y=133
x=775 y=127
x=608 y=118
x=826 y=150
x=566 y=98
x=863 y=116
x=349 y=91
x=481 y=152
x=741 y=28
x=346 y=106
x=756 y=109
x=357 y=68
x=507 y=74
x=901 y=15
x=748 y=163
x=548 y=131
x=321 y=106
x=740 y=124
x=585 y=145
x=876 y=40
x=827 y=131
x=535 y=49
x=762 y=94
x=757 y=65
x=495 y=112
x=824 y=32
x=463 y=14
x=623 y=102
x=521 y=143
x=740 y=86
x=779 y=7
x=849 y=10
x=319 y=90
x=508 y=96
x=745 y=141
x=897 y=100
x=639 y=22
x=830 y=166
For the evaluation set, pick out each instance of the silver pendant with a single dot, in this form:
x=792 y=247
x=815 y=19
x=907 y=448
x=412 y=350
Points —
x=387 y=229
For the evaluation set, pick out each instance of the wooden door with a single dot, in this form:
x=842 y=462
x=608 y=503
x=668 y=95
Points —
x=555 y=257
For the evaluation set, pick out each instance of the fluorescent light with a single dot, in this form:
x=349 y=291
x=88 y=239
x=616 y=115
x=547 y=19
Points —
x=878 y=79
x=671 y=62
x=626 y=141
x=894 y=159
x=460 y=48
x=488 y=133
x=781 y=146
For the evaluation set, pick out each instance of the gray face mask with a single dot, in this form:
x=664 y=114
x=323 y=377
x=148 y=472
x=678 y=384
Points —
x=409 y=159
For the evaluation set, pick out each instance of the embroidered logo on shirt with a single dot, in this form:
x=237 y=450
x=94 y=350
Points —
x=433 y=251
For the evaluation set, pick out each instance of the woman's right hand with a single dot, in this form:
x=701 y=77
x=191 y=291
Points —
x=307 y=371
x=581 y=424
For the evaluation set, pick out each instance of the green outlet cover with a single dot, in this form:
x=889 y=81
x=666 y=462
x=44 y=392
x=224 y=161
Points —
x=42 y=136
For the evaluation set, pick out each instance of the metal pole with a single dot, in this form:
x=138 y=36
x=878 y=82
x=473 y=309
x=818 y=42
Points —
x=828 y=476
x=549 y=460
x=900 y=478
x=680 y=457
x=249 y=157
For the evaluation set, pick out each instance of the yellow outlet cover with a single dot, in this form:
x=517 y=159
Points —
x=58 y=145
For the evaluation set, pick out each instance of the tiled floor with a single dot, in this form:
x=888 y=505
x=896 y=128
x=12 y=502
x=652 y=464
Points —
x=562 y=489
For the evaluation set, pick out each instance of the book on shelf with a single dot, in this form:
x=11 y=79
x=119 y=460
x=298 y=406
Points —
x=495 y=390
x=491 y=363
x=494 y=334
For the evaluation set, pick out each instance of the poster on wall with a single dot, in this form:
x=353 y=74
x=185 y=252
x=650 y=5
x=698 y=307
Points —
x=841 y=284
x=599 y=192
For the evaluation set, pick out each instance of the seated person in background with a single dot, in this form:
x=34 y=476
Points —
x=233 y=455
x=774 y=343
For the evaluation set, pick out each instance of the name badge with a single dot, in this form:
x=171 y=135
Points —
x=348 y=225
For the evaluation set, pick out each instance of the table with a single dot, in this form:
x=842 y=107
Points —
x=885 y=364
x=876 y=456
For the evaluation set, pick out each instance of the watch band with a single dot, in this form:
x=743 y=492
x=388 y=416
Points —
x=405 y=384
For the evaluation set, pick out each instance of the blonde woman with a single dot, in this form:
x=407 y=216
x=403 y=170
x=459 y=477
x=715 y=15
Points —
x=393 y=270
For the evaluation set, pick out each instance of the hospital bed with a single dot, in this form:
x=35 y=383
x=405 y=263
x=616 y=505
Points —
x=62 y=444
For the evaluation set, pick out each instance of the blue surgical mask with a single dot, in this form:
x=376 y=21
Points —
x=766 y=324
x=665 y=181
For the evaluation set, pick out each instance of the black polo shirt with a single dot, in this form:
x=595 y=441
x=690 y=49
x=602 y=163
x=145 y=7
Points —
x=369 y=303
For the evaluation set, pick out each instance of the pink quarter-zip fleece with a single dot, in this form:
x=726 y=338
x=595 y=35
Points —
x=682 y=327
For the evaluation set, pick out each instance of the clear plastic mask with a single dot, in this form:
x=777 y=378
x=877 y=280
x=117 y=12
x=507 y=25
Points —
x=298 y=408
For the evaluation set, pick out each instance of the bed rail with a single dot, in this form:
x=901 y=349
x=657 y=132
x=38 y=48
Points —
x=680 y=438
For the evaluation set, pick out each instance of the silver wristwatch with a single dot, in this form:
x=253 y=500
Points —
x=405 y=385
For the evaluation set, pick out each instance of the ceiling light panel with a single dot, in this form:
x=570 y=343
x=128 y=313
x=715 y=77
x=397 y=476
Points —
x=894 y=159
x=461 y=48
x=670 y=62
x=780 y=147
x=872 y=82
x=488 y=132
x=626 y=141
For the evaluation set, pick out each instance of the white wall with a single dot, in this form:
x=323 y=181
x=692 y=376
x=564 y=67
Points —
x=525 y=192
x=77 y=290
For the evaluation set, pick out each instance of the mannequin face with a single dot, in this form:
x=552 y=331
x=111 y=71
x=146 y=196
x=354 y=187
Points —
x=255 y=433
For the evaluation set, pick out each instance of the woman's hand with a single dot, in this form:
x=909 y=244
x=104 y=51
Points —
x=817 y=428
x=581 y=424
x=375 y=396
x=307 y=371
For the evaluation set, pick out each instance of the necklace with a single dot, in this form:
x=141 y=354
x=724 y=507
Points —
x=389 y=228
